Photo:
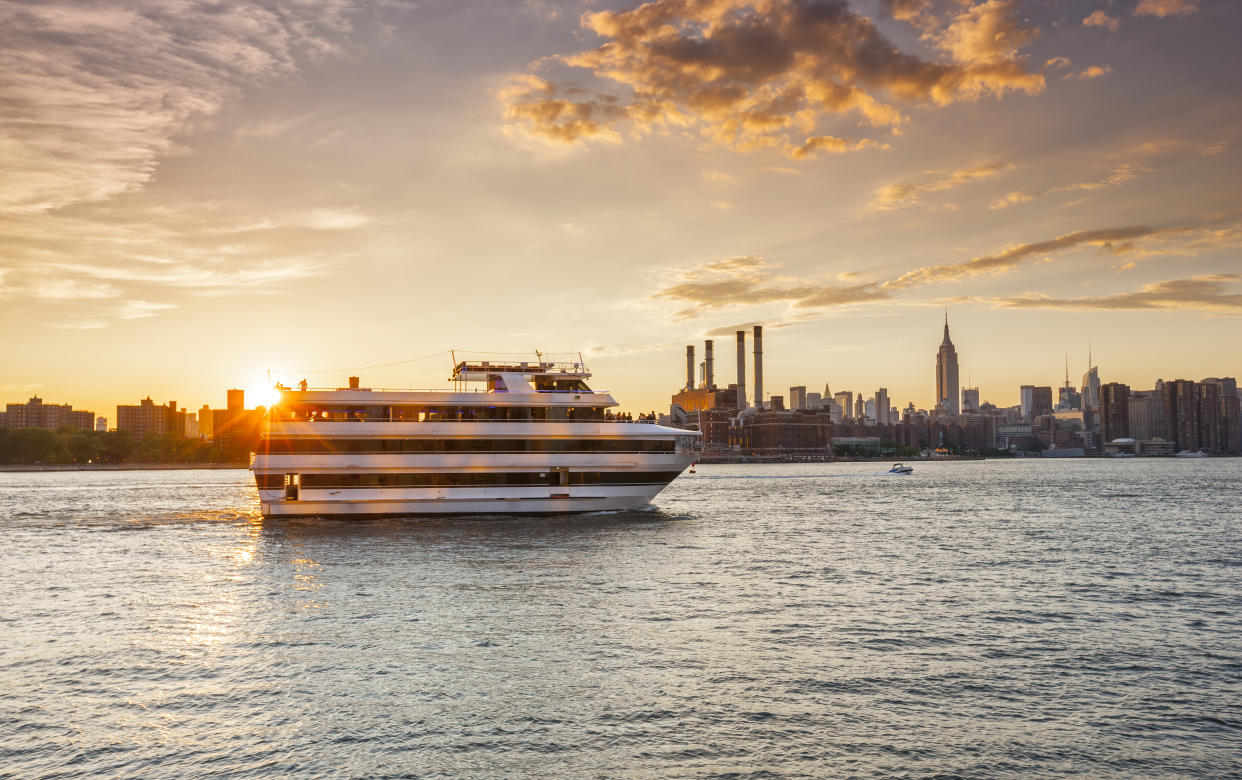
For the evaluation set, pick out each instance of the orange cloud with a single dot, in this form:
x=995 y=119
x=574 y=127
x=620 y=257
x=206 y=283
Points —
x=1011 y=199
x=989 y=32
x=750 y=280
x=1093 y=72
x=910 y=192
x=751 y=74
x=1212 y=292
x=1114 y=240
x=828 y=144
x=745 y=281
x=1120 y=175
x=1101 y=19
x=1163 y=8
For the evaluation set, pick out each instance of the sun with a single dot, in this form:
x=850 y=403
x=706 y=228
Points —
x=261 y=394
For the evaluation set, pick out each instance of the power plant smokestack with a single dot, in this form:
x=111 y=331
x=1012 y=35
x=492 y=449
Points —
x=689 y=366
x=708 y=378
x=741 y=369
x=759 y=367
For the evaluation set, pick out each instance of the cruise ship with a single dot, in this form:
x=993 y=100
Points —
x=510 y=437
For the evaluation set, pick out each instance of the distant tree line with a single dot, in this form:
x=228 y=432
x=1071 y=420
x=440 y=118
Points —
x=23 y=446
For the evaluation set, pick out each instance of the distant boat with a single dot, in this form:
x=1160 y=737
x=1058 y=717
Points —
x=900 y=469
x=1195 y=454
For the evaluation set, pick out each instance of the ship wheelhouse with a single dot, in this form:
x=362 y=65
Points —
x=510 y=437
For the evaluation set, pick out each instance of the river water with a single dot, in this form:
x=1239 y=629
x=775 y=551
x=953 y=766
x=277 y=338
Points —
x=975 y=619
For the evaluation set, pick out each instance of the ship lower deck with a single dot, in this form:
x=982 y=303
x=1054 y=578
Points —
x=446 y=503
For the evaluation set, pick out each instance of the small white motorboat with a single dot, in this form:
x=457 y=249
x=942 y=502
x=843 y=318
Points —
x=898 y=468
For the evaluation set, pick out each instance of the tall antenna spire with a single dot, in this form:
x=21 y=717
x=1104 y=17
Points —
x=1067 y=384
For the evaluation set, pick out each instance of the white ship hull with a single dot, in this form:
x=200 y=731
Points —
x=381 y=505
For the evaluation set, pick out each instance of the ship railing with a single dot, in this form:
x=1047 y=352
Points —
x=391 y=418
x=431 y=390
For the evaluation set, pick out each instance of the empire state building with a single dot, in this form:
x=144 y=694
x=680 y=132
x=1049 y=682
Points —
x=947 y=396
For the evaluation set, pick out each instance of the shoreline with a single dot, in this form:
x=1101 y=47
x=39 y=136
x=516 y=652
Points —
x=121 y=466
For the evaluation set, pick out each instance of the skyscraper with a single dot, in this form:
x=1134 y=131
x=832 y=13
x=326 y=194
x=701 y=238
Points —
x=970 y=399
x=1091 y=398
x=845 y=399
x=1182 y=414
x=948 y=398
x=881 y=406
x=797 y=397
x=1041 y=400
x=1114 y=411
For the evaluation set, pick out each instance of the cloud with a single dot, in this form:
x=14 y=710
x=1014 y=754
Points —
x=1101 y=19
x=94 y=94
x=990 y=32
x=1215 y=293
x=751 y=280
x=332 y=219
x=754 y=74
x=748 y=280
x=1093 y=72
x=828 y=144
x=67 y=289
x=136 y=310
x=1057 y=62
x=1011 y=199
x=201 y=277
x=1114 y=240
x=907 y=193
x=1163 y=8
x=1120 y=175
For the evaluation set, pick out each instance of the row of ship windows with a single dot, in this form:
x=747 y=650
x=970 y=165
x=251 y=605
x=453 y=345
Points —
x=477 y=479
x=334 y=446
x=359 y=413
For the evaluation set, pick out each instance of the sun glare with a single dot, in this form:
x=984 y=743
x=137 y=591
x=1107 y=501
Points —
x=261 y=394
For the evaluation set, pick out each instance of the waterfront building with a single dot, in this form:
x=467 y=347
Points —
x=1230 y=424
x=36 y=414
x=947 y=398
x=1210 y=433
x=1146 y=414
x=970 y=399
x=146 y=418
x=1114 y=412
x=1182 y=414
x=205 y=421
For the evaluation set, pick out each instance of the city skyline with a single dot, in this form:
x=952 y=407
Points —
x=196 y=196
x=256 y=396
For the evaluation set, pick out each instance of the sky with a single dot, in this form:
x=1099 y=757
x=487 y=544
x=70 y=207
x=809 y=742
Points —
x=197 y=193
